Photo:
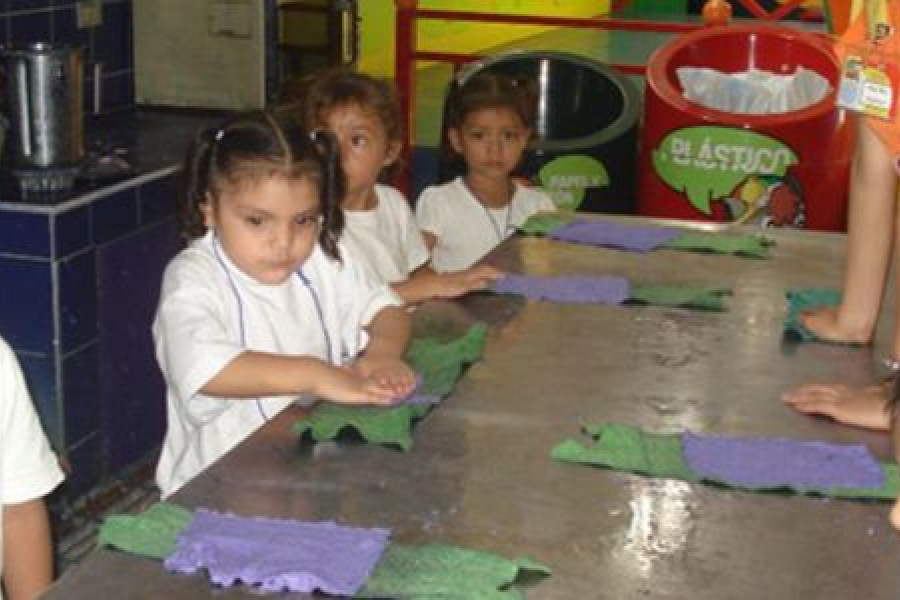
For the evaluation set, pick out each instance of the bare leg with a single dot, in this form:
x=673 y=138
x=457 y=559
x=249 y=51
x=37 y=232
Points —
x=871 y=227
x=860 y=406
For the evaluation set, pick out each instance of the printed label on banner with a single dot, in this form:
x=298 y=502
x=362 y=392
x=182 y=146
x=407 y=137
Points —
x=567 y=179
x=744 y=176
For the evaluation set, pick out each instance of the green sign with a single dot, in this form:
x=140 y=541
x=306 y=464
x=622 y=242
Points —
x=568 y=178
x=708 y=163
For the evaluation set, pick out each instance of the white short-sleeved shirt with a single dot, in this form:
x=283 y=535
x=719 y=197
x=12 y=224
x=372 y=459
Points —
x=386 y=238
x=28 y=467
x=210 y=312
x=465 y=229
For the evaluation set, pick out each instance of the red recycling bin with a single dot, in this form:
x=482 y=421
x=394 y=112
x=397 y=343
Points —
x=778 y=169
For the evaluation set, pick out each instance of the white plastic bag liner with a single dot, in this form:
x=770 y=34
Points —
x=752 y=92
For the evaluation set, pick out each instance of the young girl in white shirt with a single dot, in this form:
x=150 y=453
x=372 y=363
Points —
x=380 y=229
x=28 y=471
x=261 y=309
x=488 y=124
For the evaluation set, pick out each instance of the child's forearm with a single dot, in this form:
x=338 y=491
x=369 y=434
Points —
x=388 y=333
x=422 y=285
x=27 y=552
x=254 y=374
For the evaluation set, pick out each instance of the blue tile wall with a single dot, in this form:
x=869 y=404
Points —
x=112 y=42
x=40 y=376
x=129 y=272
x=71 y=231
x=115 y=215
x=77 y=300
x=25 y=234
x=25 y=21
x=88 y=460
x=158 y=199
x=26 y=304
x=79 y=294
x=81 y=388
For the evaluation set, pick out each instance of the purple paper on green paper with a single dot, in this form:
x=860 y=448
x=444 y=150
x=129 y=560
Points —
x=575 y=288
x=769 y=463
x=278 y=554
x=637 y=238
x=417 y=396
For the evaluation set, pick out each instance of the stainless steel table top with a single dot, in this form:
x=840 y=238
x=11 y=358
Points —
x=480 y=474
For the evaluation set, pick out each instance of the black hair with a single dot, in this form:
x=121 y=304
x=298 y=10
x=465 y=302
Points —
x=316 y=95
x=256 y=145
x=479 y=91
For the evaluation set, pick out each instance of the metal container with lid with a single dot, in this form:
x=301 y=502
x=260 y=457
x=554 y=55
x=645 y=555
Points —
x=45 y=100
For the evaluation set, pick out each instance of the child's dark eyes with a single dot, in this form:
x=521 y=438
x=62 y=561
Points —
x=253 y=220
x=304 y=220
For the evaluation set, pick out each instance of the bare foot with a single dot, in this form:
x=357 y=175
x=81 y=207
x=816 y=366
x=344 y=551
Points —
x=826 y=323
x=860 y=406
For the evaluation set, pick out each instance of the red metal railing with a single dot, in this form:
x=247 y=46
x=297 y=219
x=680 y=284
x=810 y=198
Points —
x=407 y=52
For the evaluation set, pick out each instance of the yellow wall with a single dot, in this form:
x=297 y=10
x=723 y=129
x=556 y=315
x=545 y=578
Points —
x=377 y=26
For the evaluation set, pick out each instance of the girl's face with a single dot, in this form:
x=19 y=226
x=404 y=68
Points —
x=491 y=141
x=267 y=227
x=365 y=147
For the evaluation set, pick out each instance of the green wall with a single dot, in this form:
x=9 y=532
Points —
x=377 y=26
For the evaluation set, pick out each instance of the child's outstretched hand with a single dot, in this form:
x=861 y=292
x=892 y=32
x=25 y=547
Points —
x=355 y=385
x=387 y=372
x=860 y=406
x=453 y=285
x=825 y=322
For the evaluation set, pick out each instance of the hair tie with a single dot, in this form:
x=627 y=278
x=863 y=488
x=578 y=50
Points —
x=219 y=134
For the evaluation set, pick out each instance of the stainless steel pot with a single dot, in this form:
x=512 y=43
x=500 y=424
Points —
x=45 y=99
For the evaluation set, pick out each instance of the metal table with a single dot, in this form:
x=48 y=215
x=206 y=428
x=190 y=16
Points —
x=480 y=475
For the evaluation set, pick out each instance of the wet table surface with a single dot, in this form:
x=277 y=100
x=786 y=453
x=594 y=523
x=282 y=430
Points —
x=480 y=474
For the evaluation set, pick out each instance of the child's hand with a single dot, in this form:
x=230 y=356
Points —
x=895 y=515
x=351 y=385
x=479 y=277
x=860 y=406
x=390 y=373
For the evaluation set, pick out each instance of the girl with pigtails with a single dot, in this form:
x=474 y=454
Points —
x=260 y=310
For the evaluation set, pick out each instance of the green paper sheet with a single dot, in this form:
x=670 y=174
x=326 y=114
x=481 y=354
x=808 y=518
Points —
x=802 y=300
x=543 y=223
x=377 y=425
x=433 y=572
x=440 y=363
x=751 y=246
x=627 y=448
x=151 y=533
x=678 y=295
x=439 y=572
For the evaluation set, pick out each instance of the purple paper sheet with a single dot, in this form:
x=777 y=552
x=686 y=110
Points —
x=575 y=288
x=637 y=238
x=774 y=463
x=278 y=554
x=415 y=396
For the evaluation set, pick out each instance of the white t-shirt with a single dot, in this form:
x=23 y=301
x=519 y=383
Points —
x=210 y=312
x=466 y=230
x=385 y=238
x=28 y=467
